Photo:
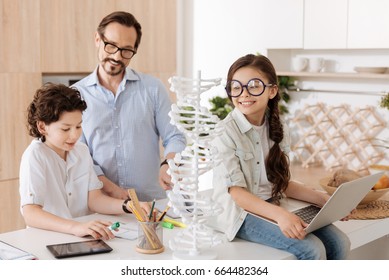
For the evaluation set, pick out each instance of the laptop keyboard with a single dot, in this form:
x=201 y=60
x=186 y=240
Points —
x=307 y=213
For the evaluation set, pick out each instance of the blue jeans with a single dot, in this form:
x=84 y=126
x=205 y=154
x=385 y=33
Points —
x=328 y=242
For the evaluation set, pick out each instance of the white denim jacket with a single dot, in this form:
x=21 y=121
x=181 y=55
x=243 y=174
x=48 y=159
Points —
x=241 y=148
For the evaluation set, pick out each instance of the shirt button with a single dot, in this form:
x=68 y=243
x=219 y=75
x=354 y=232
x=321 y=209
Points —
x=257 y=162
x=70 y=194
x=30 y=194
x=257 y=143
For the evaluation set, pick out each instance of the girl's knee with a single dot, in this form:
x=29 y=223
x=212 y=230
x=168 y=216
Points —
x=317 y=252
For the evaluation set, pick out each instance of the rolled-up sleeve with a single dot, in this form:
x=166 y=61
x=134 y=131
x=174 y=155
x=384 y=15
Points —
x=230 y=166
x=173 y=140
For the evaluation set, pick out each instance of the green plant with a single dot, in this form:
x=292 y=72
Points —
x=221 y=106
x=189 y=119
x=284 y=83
x=385 y=101
x=385 y=105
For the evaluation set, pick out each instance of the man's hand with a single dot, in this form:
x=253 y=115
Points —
x=165 y=180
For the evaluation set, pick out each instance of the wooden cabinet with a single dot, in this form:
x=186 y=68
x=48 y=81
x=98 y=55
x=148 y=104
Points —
x=10 y=216
x=19 y=29
x=20 y=76
x=368 y=30
x=325 y=24
x=68 y=29
x=16 y=90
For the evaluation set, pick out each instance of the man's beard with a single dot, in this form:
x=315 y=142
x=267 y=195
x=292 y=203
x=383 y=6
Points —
x=111 y=69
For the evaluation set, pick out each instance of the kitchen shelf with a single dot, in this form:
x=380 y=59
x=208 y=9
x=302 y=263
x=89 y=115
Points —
x=342 y=75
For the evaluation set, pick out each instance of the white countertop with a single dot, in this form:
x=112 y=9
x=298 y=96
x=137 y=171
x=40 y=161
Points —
x=35 y=240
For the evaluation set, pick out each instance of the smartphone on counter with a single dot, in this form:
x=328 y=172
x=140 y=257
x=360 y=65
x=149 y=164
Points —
x=81 y=248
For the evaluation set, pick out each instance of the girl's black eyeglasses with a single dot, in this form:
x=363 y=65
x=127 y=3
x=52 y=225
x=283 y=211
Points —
x=255 y=87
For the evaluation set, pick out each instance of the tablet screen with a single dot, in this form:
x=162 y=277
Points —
x=81 y=248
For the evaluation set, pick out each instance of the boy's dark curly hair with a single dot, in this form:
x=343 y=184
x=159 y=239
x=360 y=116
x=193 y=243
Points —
x=49 y=102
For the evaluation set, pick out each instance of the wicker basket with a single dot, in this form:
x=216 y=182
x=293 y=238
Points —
x=371 y=196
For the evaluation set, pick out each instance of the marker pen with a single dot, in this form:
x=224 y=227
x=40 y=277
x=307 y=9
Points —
x=167 y=225
x=114 y=226
x=174 y=222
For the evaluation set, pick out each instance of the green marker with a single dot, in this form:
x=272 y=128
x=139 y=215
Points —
x=167 y=225
x=114 y=226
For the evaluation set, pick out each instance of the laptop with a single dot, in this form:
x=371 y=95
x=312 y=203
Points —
x=346 y=198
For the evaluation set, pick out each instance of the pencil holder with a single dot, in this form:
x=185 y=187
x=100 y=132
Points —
x=150 y=238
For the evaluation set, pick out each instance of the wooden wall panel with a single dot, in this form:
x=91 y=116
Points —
x=67 y=32
x=16 y=91
x=68 y=28
x=10 y=217
x=157 y=50
x=19 y=33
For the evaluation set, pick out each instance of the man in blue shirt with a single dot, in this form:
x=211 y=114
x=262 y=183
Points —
x=127 y=115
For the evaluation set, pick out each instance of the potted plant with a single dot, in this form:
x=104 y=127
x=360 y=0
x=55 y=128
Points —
x=381 y=142
x=284 y=83
x=385 y=105
x=221 y=106
x=385 y=101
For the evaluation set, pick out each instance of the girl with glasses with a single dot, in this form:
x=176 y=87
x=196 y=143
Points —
x=255 y=175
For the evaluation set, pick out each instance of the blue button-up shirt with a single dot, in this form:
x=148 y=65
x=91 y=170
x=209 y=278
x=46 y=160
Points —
x=122 y=130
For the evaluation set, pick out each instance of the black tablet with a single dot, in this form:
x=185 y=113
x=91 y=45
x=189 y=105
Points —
x=82 y=248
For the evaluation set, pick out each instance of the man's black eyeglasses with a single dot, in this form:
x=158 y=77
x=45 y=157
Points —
x=255 y=87
x=112 y=49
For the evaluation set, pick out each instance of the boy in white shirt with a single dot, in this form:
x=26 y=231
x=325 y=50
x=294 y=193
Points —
x=57 y=179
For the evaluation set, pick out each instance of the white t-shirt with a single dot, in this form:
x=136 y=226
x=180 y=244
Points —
x=264 y=188
x=60 y=187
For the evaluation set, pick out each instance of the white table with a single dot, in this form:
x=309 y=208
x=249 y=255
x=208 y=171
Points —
x=35 y=240
x=361 y=233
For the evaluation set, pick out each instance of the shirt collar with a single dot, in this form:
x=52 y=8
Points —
x=243 y=124
x=129 y=75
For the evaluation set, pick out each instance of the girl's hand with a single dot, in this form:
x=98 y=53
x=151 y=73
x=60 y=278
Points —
x=96 y=229
x=292 y=226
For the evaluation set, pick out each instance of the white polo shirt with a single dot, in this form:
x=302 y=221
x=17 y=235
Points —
x=243 y=149
x=60 y=187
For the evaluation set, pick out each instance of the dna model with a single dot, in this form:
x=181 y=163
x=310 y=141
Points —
x=198 y=125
